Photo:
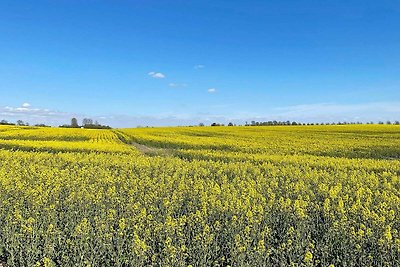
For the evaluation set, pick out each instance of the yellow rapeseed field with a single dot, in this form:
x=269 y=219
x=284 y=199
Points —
x=200 y=196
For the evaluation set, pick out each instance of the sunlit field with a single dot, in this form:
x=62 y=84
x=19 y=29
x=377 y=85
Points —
x=200 y=196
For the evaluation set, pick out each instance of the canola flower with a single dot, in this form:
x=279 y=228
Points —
x=221 y=196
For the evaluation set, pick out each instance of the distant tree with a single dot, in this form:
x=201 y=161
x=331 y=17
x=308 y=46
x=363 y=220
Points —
x=230 y=124
x=201 y=124
x=20 y=123
x=92 y=126
x=397 y=122
x=87 y=121
x=388 y=122
x=74 y=123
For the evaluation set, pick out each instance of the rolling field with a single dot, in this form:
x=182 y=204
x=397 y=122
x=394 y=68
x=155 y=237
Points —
x=200 y=196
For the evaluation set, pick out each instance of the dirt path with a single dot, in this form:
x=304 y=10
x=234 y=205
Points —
x=145 y=150
x=152 y=151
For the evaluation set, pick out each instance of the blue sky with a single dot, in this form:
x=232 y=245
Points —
x=127 y=63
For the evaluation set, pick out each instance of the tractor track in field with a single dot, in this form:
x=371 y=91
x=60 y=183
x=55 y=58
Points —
x=143 y=149
x=151 y=151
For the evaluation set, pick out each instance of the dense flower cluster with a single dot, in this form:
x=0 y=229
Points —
x=237 y=196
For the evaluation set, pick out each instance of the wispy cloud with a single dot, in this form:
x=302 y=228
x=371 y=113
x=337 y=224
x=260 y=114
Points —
x=212 y=90
x=325 y=112
x=34 y=115
x=200 y=66
x=157 y=75
x=177 y=84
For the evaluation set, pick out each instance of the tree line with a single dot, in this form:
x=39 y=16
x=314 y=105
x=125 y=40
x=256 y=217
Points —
x=87 y=123
x=21 y=123
x=294 y=123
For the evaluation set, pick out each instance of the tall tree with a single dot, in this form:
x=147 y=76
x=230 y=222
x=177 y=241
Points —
x=74 y=123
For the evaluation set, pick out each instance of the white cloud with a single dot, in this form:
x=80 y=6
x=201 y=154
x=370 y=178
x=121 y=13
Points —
x=35 y=115
x=212 y=90
x=199 y=66
x=28 y=112
x=26 y=105
x=157 y=75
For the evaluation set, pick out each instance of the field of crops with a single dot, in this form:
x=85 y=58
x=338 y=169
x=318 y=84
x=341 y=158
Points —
x=200 y=196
